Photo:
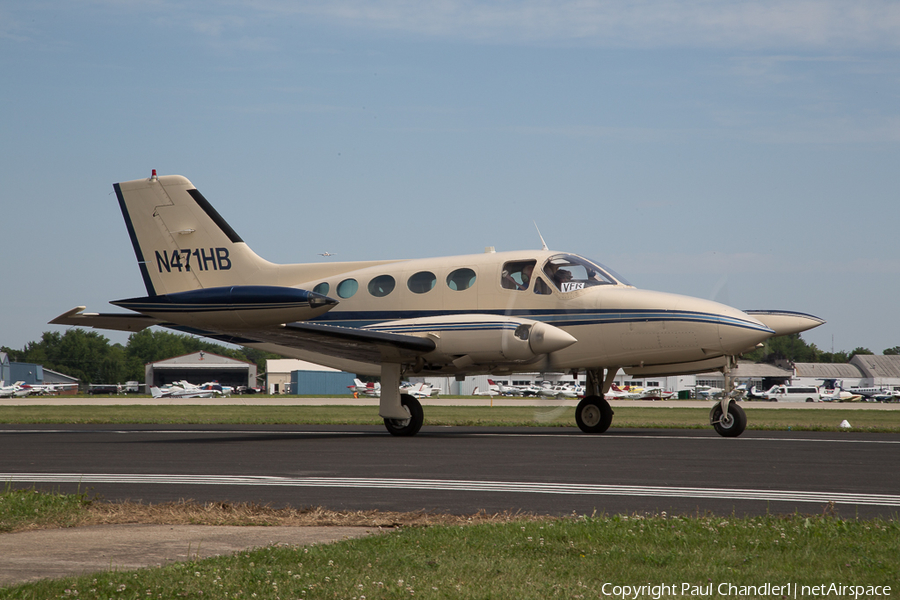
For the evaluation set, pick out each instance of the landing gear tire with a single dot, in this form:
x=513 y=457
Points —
x=730 y=425
x=407 y=427
x=593 y=414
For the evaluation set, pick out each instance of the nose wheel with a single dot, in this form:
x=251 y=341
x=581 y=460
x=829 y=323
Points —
x=728 y=424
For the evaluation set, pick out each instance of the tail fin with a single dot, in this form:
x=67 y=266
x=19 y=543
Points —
x=180 y=241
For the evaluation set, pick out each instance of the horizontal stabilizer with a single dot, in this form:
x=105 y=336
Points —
x=232 y=307
x=118 y=322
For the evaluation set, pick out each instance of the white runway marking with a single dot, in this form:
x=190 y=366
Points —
x=619 y=436
x=461 y=486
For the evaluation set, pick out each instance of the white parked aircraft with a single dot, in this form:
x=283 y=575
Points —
x=182 y=389
x=8 y=391
x=455 y=315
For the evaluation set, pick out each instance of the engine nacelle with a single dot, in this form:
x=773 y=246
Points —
x=482 y=339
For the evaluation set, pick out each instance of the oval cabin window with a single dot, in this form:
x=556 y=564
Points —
x=461 y=279
x=421 y=282
x=347 y=288
x=381 y=286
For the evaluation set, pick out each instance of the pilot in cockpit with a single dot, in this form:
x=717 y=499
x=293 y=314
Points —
x=517 y=276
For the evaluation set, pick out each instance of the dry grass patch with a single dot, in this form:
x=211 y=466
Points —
x=189 y=512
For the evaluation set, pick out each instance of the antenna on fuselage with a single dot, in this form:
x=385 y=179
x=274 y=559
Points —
x=543 y=243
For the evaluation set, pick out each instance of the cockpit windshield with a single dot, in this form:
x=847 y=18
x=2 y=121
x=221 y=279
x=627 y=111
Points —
x=569 y=273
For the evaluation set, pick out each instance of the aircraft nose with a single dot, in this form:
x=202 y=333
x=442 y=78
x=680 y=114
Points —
x=738 y=331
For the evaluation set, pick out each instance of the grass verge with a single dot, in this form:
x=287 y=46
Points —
x=550 y=416
x=575 y=557
x=32 y=509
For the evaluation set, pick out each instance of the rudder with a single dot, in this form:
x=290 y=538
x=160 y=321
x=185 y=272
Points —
x=181 y=243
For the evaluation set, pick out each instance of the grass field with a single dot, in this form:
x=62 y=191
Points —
x=581 y=556
x=630 y=417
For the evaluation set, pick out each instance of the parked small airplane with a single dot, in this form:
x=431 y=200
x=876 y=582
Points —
x=627 y=394
x=839 y=395
x=455 y=315
x=8 y=391
x=867 y=391
x=366 y=389
x=708 y=391
x=506 y=390
x=493 y=390
x=656 y=394
x=182 y=389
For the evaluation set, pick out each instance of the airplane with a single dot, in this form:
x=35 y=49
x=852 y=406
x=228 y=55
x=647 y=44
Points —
x=619 y=393
x=505 y=390
x=707 y=391
x=217 y=388
x=493 y=390
x=326 y=254
x=656 y=394
x=839 y=395
x=418 y=390
x=8 y=391
x=888 y=396
x=561 y=390
x=182 y=389
x=41 y=389
x=366 y=389
x=867 y=393
x=424 y=317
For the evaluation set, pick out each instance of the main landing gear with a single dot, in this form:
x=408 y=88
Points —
x=412 y=424
x=593 y=414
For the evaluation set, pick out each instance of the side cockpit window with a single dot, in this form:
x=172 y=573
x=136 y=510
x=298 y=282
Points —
x=516 y=275
x=540 y=287
x=570 y=273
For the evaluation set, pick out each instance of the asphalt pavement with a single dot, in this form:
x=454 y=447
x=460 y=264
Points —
x=632 y=457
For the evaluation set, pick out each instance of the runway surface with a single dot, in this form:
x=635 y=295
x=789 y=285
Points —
x=463 y=470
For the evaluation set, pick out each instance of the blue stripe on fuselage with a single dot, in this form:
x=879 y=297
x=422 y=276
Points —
x=561 y=318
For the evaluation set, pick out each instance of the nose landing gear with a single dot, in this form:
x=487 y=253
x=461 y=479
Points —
x=729 y=421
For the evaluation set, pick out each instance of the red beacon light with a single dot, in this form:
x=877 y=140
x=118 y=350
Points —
x=153 y=176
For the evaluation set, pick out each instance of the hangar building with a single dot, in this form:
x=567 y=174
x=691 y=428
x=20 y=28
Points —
x=291 y=376
x=200 y=367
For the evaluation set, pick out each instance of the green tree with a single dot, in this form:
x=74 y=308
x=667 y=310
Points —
x=892 y=351
x=84 y=354
x=786 y=347
x=859 y=350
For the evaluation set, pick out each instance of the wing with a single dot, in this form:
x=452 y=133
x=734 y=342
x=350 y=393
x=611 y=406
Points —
x=346 y=342
x=341 y=342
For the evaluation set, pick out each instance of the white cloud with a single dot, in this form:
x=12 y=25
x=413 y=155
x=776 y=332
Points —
x=661 y=23
x=748 y=263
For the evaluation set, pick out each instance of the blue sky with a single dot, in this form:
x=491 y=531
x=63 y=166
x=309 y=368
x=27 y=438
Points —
x=741 y=151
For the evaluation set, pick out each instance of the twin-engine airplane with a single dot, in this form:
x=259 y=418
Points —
x=493 y=313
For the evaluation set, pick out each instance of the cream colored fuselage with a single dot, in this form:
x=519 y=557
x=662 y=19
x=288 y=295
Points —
x=615 y=325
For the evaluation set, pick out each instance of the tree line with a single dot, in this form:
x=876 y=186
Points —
x=90 y=357
x=792 y=348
